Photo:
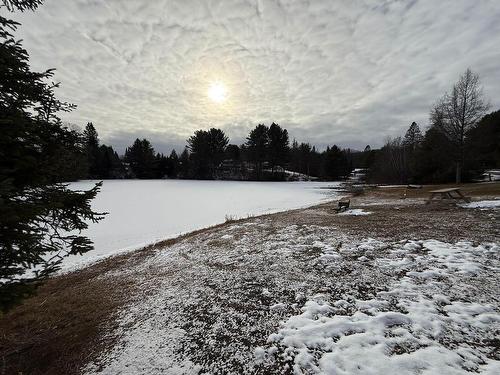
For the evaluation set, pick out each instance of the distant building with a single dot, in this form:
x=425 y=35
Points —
x=358 y=175
x=233 y=170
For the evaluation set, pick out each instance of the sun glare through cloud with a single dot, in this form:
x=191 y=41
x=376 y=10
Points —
x=217 y=92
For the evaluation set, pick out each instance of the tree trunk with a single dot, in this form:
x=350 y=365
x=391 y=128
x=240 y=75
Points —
x=458 y=175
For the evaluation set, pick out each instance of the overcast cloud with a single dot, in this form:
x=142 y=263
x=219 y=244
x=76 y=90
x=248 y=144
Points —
x=344 y=72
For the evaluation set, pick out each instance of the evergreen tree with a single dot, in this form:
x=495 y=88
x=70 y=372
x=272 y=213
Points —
x=363 y=159
x=207 y=151
x=233 y=153
x=295 y=157
x=103 y=162
x=434 y=159
x=336 y=163
x=91 y=140
x=218 y=142
x=483 y=143
x=413 y=137
x=39 y=216
x=199 y=148
x=108 y=163
x=73 y=158
x=279 y=147
x=141 y=158
x=161 y=166
x=173 y=165
x=258 y=147
x=185 y=164
x=411 y=143
x=305 y=158
x=315 y=163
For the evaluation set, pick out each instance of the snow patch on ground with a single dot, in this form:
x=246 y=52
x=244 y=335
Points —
x=141 y=353
x=485 y=205
x=324 y=340
x=404 y=330
x=355 y=212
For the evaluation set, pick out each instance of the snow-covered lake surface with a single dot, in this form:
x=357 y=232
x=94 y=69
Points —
x=146 y=211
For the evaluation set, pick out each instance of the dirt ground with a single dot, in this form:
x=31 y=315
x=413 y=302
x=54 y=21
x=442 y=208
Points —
x=480 y=190
x=411 y=217
x=74 y=318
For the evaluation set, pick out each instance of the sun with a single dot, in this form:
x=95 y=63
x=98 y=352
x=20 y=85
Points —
x=217 y=92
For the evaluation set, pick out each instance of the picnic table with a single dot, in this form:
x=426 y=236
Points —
x=449 y=193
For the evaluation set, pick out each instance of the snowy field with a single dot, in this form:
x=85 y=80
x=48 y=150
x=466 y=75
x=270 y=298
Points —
x=145 y=211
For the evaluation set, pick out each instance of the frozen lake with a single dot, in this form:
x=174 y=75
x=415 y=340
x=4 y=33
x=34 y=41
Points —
x=145 y=211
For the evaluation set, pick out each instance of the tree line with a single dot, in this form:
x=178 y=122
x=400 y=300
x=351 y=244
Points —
x=460 y=142
x=266 y=155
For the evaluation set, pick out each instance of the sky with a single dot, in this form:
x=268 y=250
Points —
x=350 y=72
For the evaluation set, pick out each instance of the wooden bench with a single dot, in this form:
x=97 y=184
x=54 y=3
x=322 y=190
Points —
x=343 y=205
x=449 y=193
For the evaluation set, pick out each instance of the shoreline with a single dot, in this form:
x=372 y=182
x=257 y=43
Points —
x=165 y=241
x=144 y=212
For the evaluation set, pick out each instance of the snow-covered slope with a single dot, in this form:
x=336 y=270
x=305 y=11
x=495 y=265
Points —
x=264 y=297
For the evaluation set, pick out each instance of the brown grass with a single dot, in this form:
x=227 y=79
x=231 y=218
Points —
x=54 y=332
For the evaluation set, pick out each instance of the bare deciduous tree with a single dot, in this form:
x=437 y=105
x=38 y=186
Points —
x=456 y=113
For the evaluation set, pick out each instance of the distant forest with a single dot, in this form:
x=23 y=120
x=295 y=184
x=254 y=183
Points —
x=266 y=155
x=460 y=143
x=417 y=157
x=433 y=157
